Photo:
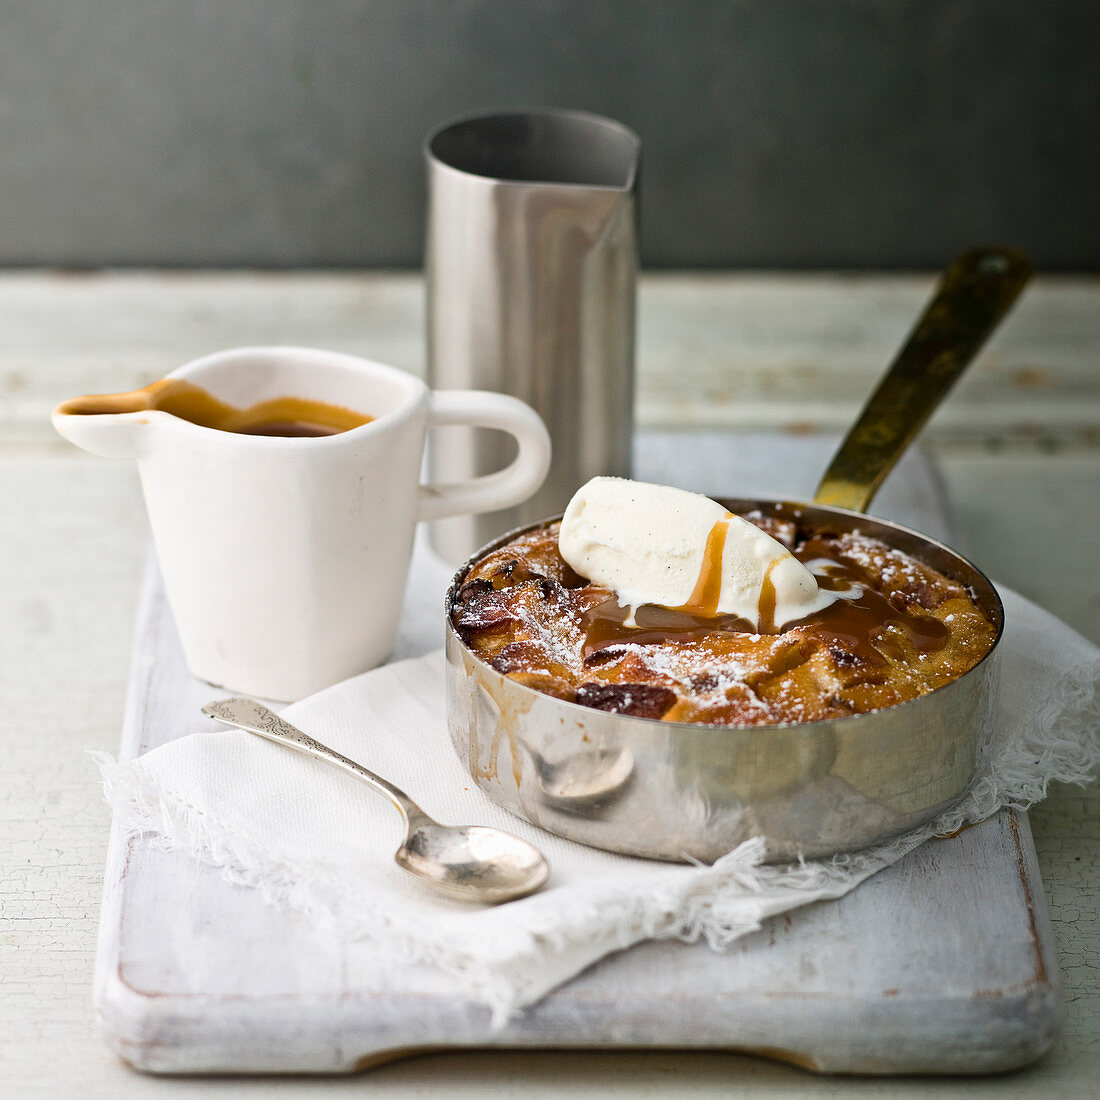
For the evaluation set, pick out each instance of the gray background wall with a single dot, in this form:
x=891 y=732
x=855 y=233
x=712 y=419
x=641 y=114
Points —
x=804 y=133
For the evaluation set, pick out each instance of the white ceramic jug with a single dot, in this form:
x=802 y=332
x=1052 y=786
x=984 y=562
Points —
x=285 y=559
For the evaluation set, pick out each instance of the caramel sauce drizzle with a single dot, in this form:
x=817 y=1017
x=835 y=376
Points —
x=869 y=626
x=707 y=593
x=708 y=588
x=279 y=416
x=765 y=604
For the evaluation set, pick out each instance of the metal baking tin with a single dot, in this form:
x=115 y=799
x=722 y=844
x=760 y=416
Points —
x=684 y=791
x=671 y=790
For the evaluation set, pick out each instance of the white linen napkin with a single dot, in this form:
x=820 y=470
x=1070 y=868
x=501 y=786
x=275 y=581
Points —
x=318 y=841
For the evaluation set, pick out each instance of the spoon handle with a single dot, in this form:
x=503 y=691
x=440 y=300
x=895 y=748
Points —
x=975 y=292
x=247 y=714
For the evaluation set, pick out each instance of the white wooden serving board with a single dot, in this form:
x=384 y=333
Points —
x=942 y=963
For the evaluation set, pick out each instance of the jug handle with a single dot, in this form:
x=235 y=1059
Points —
x=503 y=488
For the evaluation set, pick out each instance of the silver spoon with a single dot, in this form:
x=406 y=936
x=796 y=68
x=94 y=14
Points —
x=468 y=862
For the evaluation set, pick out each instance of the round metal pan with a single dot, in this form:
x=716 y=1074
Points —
x=683 y=791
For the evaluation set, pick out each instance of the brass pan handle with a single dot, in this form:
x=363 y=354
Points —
x=976 y=290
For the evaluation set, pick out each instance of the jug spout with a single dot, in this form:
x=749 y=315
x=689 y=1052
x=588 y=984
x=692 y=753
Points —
x=109 y=425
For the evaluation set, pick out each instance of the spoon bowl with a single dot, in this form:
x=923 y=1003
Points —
x=471 y=863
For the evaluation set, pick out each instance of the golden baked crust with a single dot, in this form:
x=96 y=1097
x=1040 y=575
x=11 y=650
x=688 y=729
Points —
x=523 y=610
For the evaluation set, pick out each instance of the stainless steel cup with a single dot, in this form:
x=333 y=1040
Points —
x=531 y=272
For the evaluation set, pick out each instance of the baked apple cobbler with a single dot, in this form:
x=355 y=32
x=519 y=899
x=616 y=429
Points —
x=653 y=602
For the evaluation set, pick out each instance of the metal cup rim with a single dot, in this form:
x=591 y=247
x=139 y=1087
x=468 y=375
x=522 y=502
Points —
x=561 y=113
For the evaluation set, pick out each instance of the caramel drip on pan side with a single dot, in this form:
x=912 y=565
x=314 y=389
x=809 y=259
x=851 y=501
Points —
x=279 y=416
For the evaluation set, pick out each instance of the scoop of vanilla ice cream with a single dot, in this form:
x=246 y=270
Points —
x=652 y=544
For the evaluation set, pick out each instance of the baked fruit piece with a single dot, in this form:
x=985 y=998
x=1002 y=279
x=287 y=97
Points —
x=904 y=630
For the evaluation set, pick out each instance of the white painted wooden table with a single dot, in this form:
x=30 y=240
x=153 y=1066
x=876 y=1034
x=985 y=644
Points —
x=1020 y=458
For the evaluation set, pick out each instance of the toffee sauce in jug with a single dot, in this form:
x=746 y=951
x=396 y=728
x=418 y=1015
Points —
x=287 y=417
